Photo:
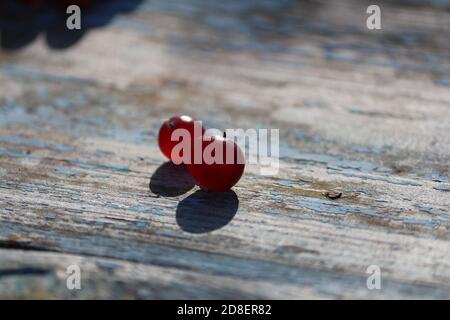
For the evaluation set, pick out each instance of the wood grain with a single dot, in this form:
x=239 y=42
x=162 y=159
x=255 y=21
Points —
x=365 y=113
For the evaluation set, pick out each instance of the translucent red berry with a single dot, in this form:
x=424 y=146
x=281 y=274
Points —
x=218 y=170
x=167 y=144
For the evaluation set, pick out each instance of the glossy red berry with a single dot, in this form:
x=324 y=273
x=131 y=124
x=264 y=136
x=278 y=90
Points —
x=218 y=173
x=165 y=135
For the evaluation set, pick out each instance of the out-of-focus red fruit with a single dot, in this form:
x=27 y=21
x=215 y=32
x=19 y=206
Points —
x=165 y=135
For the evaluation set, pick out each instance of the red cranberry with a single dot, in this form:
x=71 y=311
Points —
x=165 y=135
x=218 y=175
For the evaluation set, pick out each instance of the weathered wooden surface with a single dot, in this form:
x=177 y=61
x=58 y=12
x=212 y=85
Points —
x=361 y=112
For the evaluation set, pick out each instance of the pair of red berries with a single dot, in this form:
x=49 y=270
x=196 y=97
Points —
x=215 y=176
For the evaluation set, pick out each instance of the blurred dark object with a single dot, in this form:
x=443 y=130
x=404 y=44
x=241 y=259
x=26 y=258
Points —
x=62 y=3
x=22 y=21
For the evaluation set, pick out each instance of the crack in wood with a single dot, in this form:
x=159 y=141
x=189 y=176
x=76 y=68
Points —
x=24 y=271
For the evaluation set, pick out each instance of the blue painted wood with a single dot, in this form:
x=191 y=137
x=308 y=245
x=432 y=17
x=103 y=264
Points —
x=360 y=113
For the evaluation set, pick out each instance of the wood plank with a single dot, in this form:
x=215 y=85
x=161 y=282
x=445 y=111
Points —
x=360 y=112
